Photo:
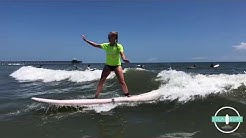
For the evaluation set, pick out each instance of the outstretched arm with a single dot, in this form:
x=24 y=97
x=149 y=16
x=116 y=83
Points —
x=123 y=57
x=91 y=43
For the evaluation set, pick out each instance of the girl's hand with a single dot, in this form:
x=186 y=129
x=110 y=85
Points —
x=83 y=37
x=126 y=61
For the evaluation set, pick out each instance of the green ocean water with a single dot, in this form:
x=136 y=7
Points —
x=188 y=98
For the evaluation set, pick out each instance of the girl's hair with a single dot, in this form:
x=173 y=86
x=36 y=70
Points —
x=113 y=33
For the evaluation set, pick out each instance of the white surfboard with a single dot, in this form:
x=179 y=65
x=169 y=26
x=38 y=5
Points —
x=81 y=102
x=216 y=66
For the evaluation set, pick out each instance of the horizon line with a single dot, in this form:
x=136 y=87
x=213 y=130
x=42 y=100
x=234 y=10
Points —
x=122 y=63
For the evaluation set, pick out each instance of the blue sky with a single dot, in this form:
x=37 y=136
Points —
x=150 y=31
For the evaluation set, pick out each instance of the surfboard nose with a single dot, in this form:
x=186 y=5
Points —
x=227 y=119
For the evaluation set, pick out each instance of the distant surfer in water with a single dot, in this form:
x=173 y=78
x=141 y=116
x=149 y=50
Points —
x=88 y=67
x=114 y=51
x=211 y=65
x=141 y=65
x=192 y=67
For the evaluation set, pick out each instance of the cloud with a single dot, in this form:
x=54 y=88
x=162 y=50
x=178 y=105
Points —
x=242 y=46
x=198 y=58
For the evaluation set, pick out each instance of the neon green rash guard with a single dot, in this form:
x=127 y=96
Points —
x=112 y=53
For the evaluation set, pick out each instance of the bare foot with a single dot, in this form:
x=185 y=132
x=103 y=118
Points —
x=127 y=94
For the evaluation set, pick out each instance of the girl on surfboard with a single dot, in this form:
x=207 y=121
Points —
x=114 y=51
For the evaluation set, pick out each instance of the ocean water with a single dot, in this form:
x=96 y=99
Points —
x=187 y=99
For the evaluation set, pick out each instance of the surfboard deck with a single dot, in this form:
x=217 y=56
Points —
x=81 y=102
x=216 y=66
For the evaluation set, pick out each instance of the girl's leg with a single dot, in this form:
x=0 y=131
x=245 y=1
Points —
x=104 y=75
x=120 y=75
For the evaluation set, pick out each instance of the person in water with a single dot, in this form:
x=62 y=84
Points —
x=88 y=67
x=211 y=65
x=141 y=66
x=114 y=51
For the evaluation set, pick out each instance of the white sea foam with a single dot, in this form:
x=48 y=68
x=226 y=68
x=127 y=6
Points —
x=139 y=69
x=29 y=73
x=176 y=84
x=178 y=135
x=101 y=107
x=184 y=87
